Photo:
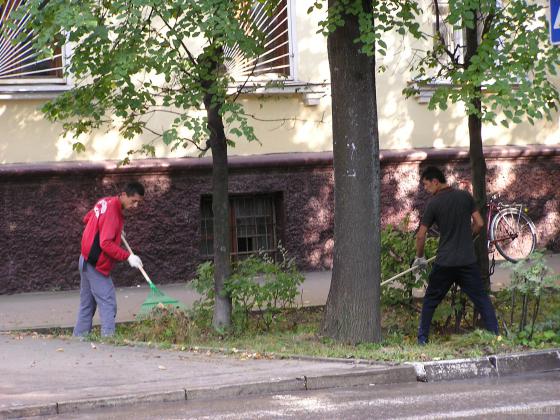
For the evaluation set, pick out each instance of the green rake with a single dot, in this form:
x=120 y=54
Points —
x=156 y=297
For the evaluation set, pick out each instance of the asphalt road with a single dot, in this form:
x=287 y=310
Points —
x=519 y=397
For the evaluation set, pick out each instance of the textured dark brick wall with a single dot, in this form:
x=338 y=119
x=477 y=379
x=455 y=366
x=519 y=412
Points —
x=43 y=204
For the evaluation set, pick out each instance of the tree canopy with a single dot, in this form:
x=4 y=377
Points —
x=511 y=71
x=131 y=59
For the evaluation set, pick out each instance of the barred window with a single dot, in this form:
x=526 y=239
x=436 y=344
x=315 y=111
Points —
x=253 y=225
x=20 y=63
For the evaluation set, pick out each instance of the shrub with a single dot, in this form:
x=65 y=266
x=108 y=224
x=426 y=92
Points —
x=398 y=249
x=258 y=285
x=530 y=279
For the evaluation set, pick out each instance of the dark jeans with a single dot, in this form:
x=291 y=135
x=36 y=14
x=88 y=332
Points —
x=469 y=279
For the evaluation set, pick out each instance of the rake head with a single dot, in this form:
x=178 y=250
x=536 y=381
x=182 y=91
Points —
x=157 y=298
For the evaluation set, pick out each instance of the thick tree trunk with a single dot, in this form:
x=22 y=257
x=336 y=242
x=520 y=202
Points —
x=220 y=204
x=478 y=162
x=352 y=313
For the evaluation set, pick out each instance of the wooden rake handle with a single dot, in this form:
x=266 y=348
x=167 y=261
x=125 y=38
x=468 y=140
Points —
x=415 y=267
x=139 y=268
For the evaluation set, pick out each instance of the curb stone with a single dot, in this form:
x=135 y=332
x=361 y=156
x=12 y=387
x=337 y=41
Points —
x=28 y=411
x=397 y=374
x=394 y=374
x=487 y=367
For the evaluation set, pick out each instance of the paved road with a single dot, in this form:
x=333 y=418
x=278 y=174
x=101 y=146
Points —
x=520 y=397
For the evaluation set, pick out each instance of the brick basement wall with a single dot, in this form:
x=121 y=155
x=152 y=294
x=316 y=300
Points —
x=43 y=205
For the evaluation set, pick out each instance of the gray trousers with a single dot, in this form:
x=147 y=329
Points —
x=96 y=290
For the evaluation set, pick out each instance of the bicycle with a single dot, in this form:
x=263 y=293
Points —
x=510 y=230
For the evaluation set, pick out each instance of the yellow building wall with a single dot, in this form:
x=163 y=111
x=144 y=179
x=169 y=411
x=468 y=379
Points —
x=283 y=122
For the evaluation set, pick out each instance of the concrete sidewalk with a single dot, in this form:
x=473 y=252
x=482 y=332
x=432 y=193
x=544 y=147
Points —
x=59 y=309
x=42 y=375
x=49 y=376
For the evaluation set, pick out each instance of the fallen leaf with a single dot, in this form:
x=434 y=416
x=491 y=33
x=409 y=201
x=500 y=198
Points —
x=60 y=349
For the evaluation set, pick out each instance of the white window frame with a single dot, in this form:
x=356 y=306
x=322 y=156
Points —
x=38 y=87
x=311 y=93
x=260 y=80
x=426 y=92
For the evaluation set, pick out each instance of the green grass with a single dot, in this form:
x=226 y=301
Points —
x=298 y=334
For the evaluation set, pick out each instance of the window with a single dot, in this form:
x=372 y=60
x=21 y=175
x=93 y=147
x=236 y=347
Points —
x=451 y=38
x=449 y=46
x=253 y=225
x=275 y=61
x=20 y=64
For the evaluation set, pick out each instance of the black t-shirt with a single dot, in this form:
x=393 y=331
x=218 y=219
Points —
x=451 y=210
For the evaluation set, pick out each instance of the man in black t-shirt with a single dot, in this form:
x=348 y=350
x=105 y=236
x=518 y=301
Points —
x=455 y=214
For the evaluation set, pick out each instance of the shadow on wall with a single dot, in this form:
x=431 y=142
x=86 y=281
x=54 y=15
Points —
x=534 y=183
x=41 y=226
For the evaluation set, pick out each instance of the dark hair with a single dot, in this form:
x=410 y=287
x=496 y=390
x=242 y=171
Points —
x=133 y=188
x=431 y=173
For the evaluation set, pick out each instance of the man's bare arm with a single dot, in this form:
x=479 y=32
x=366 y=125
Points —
x=421 y=240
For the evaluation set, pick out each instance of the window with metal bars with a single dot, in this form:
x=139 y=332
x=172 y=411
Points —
x=253 y=226
x=275 y=60
x=20 y=63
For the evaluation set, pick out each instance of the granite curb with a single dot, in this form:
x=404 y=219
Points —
x=493 y=366
x=393 y=374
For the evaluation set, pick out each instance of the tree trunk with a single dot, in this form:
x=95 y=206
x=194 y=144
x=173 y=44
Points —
x=352 y=312
x=478 y=175
x=220 y=203
x=478 y=162
x=220 y=209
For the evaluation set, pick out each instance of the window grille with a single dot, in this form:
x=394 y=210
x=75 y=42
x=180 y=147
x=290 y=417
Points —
x=253 y=226
x=20 y=63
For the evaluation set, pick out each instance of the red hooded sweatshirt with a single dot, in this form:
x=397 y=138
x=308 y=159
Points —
x=102 y=236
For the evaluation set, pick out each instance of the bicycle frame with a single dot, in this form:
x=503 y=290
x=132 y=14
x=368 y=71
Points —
x=494 y=208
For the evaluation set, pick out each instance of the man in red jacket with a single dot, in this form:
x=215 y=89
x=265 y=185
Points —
x=100 y=251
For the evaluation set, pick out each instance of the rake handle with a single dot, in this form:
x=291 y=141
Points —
x=405 y=272
x=139 y=268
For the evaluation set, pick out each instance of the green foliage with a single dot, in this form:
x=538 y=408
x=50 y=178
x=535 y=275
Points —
x=398 y=250
x=381 y=17
x=257 y=284
x=530 y=280
x=532 y=275
x=131 y=59
x=510 y=72
x=203 y=284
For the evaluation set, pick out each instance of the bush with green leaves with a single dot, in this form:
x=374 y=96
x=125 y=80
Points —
x=203 y=284
x=398 y=249
x=258 y=284
x=531 y=280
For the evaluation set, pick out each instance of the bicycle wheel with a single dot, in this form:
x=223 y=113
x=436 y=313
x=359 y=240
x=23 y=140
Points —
x=513 y=233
